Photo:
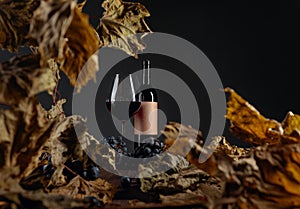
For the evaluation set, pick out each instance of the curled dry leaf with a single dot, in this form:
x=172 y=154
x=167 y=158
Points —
x=268 y=178
x=71 y=141
x=153 y=180
x=174 y=130
x=49 y=25
x=120 y=24
x=291 y=128
x=79 y=188
x=100 y=153
x=65 y=146
x=15 y=17
x=42 y=200
x=56 y=110
x=248 y=124
x=24 y=131
x=80 y=60
x=231 y=151
x=188 y=142
x=22 y=77
x=63 y=32
x=263 y=177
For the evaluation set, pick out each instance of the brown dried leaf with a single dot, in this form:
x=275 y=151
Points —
x=174 y=130
x=188 y=142
x=65 y=146
x=80 y=60
x=153 y=180
x=79 y=188
x=263 y=177
x=64 y=33
x=100 y=153
x=49 y=24
x=35 y=199
x=24 y=131
x=268 y=178
x=231 y=151
x=248 y=124
x=22 y=77
x=15 y=17
x=71 y=141
x=56 y=110
x=120 y=23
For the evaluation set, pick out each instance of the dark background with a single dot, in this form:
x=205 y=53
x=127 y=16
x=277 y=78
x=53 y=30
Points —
x=254 y=46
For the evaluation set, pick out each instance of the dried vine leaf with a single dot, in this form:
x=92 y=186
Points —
x=24 y=131
x=22 y=77
x=291 y=128
x=174 y=130
x=188 y=142
x=100 y=153
x=49 y=24
x=56 y=110
x=65 y=146
x=80 y=60
x=63 y=32
x=265 y=177
x=232 y=151
x=15 y=17
x=151 y=178
x=120 y=23
x=79 y=188
x=71 y=141
x=248 y=124
x=42 y=200
x=268 y=178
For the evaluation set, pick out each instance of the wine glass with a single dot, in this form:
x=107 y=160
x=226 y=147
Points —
x=122 y=103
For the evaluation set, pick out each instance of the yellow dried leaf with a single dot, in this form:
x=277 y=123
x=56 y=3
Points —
x=248 y=124
x=291 y=128
x=80 y=51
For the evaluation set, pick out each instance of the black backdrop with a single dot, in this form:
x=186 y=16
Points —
x=254 y=46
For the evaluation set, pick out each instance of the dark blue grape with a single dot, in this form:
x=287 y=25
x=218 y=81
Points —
x=94 y=201
x=93 y=172
x=156 y=151
x=125 y=181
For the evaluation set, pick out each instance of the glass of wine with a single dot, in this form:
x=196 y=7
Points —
x=122 y=102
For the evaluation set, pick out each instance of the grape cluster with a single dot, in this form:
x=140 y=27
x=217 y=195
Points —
x=118 y=144
x=149 y=148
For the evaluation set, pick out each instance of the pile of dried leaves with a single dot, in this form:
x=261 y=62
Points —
x=266 y=175
x=61 y=38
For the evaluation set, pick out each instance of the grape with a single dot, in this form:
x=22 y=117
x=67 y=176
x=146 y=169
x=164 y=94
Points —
x=125 y=181
x=91 y=173
x=94 y=201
